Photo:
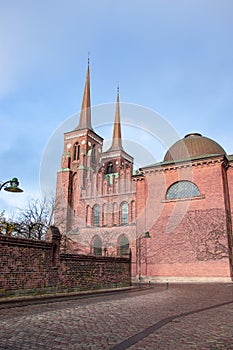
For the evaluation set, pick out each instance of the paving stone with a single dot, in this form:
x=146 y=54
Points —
x=183 y=317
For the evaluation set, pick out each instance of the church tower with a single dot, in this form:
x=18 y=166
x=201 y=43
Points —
x=110 y=205
x=82 y=150
x=116 y=162
x=96 y=197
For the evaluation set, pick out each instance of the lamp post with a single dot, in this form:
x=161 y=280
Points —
x=146 y=235
x=11 y=185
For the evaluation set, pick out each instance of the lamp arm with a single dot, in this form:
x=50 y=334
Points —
x=3 y=184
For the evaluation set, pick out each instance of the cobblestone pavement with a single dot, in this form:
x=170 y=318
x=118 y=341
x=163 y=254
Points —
x=182 y=317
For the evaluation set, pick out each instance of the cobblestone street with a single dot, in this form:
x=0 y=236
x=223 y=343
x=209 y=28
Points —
x=183 y=317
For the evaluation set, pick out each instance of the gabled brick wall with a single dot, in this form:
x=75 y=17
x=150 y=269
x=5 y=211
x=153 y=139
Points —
x=191 y=239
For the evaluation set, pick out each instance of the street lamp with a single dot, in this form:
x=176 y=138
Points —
x=146 y=235
x=11 y=185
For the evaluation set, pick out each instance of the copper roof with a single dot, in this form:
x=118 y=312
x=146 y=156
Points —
x=116 y=137
x=85 y=115
x=191 y=146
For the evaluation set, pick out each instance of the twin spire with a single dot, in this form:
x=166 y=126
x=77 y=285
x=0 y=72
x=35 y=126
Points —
x=85 y=115
x=116 y=136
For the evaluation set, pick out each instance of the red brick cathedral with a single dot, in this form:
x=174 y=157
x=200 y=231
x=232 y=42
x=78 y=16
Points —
x=174 y=216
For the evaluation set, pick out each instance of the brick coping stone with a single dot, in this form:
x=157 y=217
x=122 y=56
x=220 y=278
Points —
x=48 y=296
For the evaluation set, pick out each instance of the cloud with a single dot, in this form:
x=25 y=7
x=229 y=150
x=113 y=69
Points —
x=173 y=56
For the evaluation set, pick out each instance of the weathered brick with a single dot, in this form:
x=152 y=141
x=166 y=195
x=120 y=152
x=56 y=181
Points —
x=29 y=266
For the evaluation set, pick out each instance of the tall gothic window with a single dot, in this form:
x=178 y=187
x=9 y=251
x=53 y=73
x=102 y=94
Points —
x=110 y=168
x=182 y=189
x=88 y=215
x=76 y=151
x=93 y=154
x=124 y=213
x=104 y=214
x=96 y=215
x=97 y=246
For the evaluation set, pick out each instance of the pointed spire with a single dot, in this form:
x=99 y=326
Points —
x=85 y=115
x=116 y=137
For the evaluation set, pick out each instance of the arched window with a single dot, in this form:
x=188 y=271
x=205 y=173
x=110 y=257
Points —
x=96 y=215
x=76 y=151
x=123 y=246
x=93 y=154
x=88 y=216
x=110 y=168
x=124 y=213
x=104 y=214
x=182 y=189
x=97 y=246
x=115 y=214
x=73 y=196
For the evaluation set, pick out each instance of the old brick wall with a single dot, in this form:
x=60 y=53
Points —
x=25 y=264
x=81 y=271
x=28 y=266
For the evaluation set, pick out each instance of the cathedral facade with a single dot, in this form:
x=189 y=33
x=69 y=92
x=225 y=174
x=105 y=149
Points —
x=174 y=217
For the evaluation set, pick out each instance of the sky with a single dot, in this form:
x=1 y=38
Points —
x=172 y=58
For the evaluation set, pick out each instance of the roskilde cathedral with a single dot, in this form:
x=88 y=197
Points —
x=174 y=216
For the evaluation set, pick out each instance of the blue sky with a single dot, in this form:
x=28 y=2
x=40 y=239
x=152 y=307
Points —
x=173 y=57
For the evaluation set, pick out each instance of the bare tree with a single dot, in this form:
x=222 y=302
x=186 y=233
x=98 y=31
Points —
x=34 y=220
x=31 y=222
